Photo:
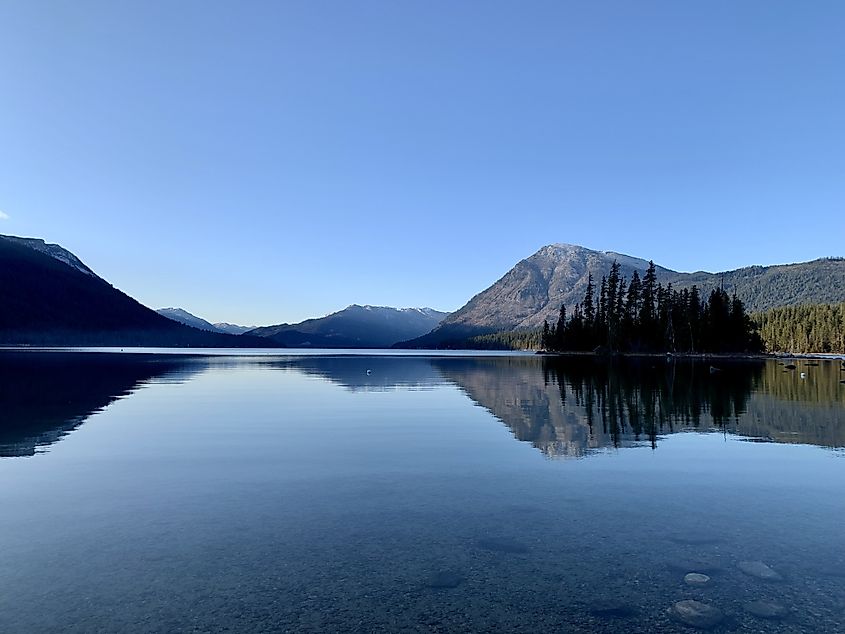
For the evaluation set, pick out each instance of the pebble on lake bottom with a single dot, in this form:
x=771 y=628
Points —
x=445 y=579
x=696 y=614
x=696 y=579
x=760 y=570
x=766 y=609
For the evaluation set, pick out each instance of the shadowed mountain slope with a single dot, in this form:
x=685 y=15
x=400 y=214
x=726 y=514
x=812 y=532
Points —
x=48 y=297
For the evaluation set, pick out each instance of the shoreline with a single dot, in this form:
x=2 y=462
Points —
x=829 y=356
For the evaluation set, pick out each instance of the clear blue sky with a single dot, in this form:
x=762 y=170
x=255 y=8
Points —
x=261 y=162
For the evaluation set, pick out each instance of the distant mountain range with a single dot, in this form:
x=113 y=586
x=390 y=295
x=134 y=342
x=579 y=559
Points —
x=355 y=327
x=49 y=297
x=184 y=317
x=232 y=329
x=535 y=288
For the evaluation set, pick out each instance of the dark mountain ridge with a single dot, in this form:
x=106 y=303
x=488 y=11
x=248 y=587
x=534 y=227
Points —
x=49 y=297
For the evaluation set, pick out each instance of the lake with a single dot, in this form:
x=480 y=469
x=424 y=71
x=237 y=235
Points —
x=323 y=492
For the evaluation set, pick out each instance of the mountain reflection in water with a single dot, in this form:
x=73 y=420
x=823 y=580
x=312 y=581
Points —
x=45 y=396
x=572 y=406
x=563 y=406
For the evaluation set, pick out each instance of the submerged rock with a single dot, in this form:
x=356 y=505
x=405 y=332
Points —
x=759 y=570
x=445 y=579
x=696 y=614
x=696 y=579
x=502 y=545
x=766 y=609
x=612 y=609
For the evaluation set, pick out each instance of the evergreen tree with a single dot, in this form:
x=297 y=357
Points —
x=546 y=337
x=588 y=307
x=612 y=317
x=601 y=316
x=647 y=318
x=633 y=300
x=693 y=319
x=619 y=316
x=560 y=330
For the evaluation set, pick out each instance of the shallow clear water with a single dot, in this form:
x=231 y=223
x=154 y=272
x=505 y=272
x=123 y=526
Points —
x=160 y=493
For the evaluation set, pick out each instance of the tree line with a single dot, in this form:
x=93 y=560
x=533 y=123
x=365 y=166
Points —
x=644 y=316
x=805 y=328
x=507 y=340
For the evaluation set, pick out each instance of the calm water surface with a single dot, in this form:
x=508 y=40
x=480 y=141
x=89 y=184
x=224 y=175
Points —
x=265 y=493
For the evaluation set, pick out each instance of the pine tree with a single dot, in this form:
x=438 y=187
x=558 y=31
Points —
x=647 y=308
x=633 y=300
x=601 y=316
x=588 y=324
x=560 y=331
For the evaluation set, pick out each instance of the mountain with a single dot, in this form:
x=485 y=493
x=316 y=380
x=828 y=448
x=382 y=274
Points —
x=184 y=317
x=535 y=288
x=232 y=329
x=49 y=297
x=355 y=327
x=53 y=250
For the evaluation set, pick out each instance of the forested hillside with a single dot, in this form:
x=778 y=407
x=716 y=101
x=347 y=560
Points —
x=807 y=328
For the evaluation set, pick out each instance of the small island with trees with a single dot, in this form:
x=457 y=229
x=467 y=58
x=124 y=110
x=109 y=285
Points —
x=643 y=316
